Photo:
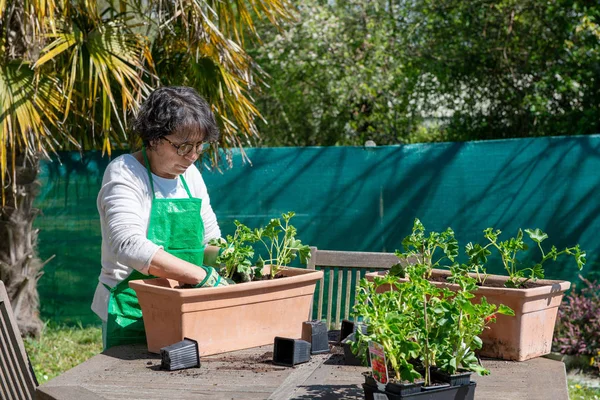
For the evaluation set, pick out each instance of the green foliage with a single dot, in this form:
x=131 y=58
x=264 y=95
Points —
x=74 y=72
x=430 y=70
x=421 y=248
x=279 y=240
x=237 y=254
x=419 y=323
x=280 y=244
x=421 y=326
x=519 y=274
x=60 y=348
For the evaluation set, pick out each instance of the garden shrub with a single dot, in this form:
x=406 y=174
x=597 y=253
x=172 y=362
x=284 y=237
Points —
x=577 y=329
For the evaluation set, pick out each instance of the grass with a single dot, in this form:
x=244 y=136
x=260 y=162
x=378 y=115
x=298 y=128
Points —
x=61 y=348
x=584 y=386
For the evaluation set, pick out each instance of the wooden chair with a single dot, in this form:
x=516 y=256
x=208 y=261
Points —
x=343 y=270
x=17 y=379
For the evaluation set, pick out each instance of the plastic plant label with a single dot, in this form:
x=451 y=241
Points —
x=378 y=364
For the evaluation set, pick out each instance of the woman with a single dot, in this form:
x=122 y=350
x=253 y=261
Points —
x=155 y=212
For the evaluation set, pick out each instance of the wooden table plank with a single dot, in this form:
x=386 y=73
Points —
x=130 y=372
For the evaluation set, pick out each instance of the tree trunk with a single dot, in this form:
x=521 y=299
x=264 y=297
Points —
x=20 y=268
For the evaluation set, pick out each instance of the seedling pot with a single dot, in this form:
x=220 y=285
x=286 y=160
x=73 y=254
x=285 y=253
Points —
x=465 y=392
x=315 y=332
x=180 y=355
x=459 y=379
x=226 y=318
x=402 y=389
x=526 y=335
x=348 y=327
x=349 y=357
x=289 y=352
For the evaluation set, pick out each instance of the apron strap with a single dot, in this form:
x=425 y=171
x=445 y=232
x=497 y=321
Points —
x=185 y=186
x=147 y=163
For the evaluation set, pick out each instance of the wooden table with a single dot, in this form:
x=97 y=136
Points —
x=130 y=372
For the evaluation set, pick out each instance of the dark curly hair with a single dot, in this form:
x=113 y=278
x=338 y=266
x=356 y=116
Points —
x=173 y=109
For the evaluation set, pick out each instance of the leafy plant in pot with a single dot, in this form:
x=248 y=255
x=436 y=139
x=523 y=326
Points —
x=428 y=333
x=172 y=313
x=534 y=300
x=280 y=245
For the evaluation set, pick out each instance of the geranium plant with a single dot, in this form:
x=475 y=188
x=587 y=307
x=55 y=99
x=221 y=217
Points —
x=440 y=250
x=519 y=273
x=422 y=326
x=235 y=257
x=280 y=242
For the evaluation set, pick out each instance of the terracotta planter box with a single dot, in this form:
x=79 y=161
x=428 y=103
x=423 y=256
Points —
x=226 y=318
x=529 y=333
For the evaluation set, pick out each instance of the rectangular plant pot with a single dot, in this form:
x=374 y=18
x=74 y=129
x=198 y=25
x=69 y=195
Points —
x=226 y=318
x=289 y=352
x=465 y=392
x=526 y=335
x=315 y=333
x=180 y=355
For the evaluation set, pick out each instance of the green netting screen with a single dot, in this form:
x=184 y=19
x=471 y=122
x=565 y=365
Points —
x=348 y=198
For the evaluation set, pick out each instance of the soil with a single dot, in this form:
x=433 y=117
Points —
x=527 y=285
x=263 y=278
x=268 y=277
x=255 y=364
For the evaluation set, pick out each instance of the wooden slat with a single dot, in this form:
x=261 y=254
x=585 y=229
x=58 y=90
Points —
x=329 y=298
x=320 y=305
x=360 y=261
x=338 y=305
x=348 y=293
x=355 y=259
x=313 y=258
x=16 y=378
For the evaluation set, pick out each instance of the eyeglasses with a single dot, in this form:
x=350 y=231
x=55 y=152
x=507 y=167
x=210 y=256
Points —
x=185 y=148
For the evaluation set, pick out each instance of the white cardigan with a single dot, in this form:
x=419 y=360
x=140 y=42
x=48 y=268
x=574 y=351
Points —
x=124 y=203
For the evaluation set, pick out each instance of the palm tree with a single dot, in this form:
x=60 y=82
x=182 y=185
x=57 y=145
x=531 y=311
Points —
x=74 y=71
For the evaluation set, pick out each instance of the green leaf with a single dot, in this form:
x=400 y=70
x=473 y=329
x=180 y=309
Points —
x=397 y=270
x=505 y=310
x=537 y=235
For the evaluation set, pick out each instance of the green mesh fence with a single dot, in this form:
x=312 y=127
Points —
x=348 y=198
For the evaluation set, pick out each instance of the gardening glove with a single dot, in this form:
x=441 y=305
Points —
x=213 y=279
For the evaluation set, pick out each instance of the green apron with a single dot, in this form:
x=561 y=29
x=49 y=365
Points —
x=175 y=224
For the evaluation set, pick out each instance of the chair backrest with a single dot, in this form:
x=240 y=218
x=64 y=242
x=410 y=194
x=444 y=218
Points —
x=342 y=271
x=17 y=380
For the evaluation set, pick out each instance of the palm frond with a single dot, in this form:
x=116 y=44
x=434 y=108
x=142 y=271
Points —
x=28 y=114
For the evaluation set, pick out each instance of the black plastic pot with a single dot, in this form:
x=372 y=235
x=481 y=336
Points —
x=349 y=357
x=461 y=378
x=401 y=389
x=349 y=327
x=289 y=352
x=180 y=355
x=465 y=392
x=315 y=332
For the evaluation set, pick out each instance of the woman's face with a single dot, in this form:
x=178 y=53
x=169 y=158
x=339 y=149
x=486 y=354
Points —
x=165 y=160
